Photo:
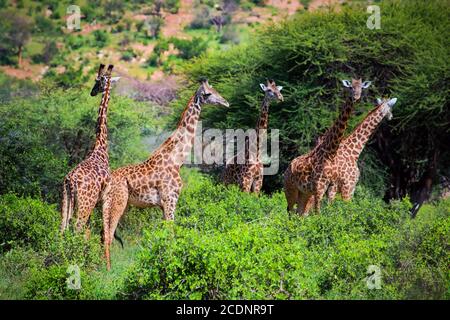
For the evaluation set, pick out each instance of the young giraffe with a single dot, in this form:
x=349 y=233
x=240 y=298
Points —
x=83 y=185
x=346 y=161
x=304 y=178
x=157 y=181
x=249 y=176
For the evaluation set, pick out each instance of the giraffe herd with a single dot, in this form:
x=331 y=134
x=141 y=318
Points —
x=330 y=167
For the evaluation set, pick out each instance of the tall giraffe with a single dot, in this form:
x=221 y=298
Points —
x=157 y=181
x=344 y=172
x=83 y=185
x=304 y=180
x=249 y=175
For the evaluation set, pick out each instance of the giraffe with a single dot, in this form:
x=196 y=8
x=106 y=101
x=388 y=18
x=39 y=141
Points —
x=304 y=180
x=249 y=175
x=344 y=173
x=83 y=185
x=157 y=181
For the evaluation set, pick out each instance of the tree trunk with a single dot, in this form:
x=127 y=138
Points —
x=19 y=57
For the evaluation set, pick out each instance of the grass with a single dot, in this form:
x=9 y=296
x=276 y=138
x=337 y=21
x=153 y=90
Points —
x=108 y=283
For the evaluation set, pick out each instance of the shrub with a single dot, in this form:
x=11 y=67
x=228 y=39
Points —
x=172 y=5
x=128 y=55
x=26 y=221
x=75 y=42
x=190 y=48
x=48 y=279
x=51 y=284
x=101 y=38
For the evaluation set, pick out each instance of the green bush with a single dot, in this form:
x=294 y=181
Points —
x=190 y=48
x=101 y=38
x=34 y=257
x=244 y=247
x=172 y=5
x=51 y=284
x=26 y=221
x=75 y=42
x=48 y=279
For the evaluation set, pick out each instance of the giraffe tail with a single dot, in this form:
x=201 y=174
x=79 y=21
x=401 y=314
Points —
x=118 y=238
x=67 y=205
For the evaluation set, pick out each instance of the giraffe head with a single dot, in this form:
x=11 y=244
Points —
x=101 y=79
x=271 y=90
x=386 y=106
x=207 y=95
x=356 y=86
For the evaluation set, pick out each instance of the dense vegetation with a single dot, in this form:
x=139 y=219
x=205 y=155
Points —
x=407 y=58
x=237 y=246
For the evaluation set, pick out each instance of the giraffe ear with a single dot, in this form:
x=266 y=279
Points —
x=280 y=88
x=346 y=83
x=366 y=84
x=392 y=102
x=263 y=87
x=115 y=79
x=379 y=101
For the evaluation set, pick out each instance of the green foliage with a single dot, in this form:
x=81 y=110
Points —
x=239 y=246
x=48 y=279
x=128 y=55
x=309 y=55
x=33 y=160
x=11 y=88
x=75 y=42
x=190 y=48
x=101 y=38
x=34 y=257
x=172 y=5
x=25 y=222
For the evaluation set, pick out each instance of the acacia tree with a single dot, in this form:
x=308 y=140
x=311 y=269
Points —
x=16 y=31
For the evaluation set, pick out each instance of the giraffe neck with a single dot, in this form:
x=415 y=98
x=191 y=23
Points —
x=261 y=124
x=335 y=134
x=357 y=140
x=263 y=119
x=101 y=140
x=178 y=146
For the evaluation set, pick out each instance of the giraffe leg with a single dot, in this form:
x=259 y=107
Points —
x=291 y=193
x=257 y=183
x=304 y=203
x=169 y=199
x=309 y=204
x=347 y=191
x=85 y=208
x=114 y=205
x=246 y=181
x=318 y=195
x=65 y=203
